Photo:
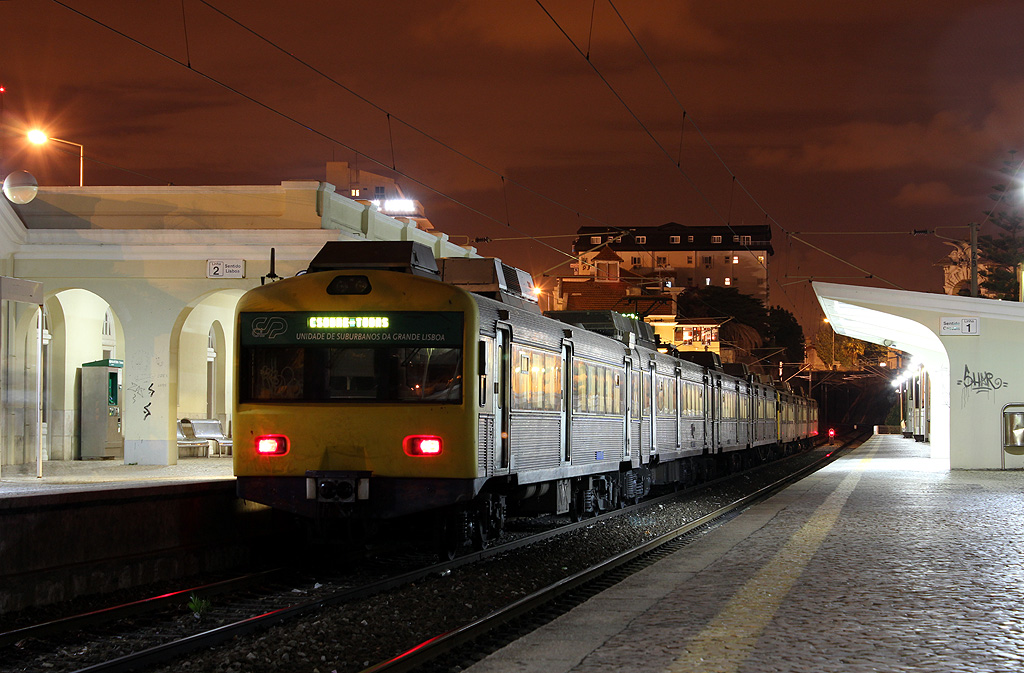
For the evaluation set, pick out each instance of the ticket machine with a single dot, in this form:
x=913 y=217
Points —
x=99 y=404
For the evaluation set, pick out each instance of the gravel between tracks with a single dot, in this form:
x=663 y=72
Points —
x=348 y=638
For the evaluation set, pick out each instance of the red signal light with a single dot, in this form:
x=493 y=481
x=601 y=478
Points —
x=271 y=445
x=423 y=445
x=831 y=433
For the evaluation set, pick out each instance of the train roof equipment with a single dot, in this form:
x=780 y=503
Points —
x=400 y=256
x=490 y=277
x=610 y=323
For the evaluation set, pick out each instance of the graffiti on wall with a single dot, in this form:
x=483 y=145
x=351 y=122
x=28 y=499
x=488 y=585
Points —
x=978 y=383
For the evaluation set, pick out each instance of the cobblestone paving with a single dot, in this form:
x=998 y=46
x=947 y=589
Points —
x=881 y=562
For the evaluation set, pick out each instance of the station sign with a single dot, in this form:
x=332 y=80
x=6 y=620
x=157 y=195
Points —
x=225 y=268
x=959 y=327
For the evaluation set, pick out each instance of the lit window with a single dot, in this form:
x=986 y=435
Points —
x=707 y=281
x=716 y=239
x=354 y=191
x=760 y=259
x=640 y=240
x=735 y=259
x=673 y=240
x=736 y=239
x=595 y=240
x=728 y=281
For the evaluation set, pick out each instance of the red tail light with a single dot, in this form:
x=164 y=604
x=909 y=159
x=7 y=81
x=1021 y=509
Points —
x=271 y=445
x=423 y=445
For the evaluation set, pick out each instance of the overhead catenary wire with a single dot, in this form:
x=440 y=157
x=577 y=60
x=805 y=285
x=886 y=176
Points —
x=382 y=163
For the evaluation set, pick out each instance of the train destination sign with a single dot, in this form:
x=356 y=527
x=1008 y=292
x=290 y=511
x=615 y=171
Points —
x=423 y=328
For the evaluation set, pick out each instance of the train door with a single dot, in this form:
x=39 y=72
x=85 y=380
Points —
x=567 y=395
x=627 y=427
x=502 y=395
x=680 y=396
x=652 y=406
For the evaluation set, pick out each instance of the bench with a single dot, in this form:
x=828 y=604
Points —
x=188 y=443
x=209 y=429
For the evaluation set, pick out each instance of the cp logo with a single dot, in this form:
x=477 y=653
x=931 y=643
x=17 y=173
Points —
x=268 y=328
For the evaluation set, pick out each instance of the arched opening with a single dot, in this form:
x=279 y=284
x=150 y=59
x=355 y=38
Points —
x=204 y=361
x=79 y=327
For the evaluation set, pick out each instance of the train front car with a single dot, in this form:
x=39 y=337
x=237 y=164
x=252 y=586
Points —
x=350 y=401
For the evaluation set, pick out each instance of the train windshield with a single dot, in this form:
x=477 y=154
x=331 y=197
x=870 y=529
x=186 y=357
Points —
x=428 y=374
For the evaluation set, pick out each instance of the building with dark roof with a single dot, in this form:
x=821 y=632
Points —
x=679 y=256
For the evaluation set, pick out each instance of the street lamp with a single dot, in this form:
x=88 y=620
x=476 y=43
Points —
x=38 y=137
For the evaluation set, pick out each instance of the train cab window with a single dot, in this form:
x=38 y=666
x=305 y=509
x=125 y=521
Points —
x=373 y=373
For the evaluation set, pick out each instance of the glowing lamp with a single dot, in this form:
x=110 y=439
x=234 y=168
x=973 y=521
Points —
x=271 y=445
x=423 y=445
x=37 y=137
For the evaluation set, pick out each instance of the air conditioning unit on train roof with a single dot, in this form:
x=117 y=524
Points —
x=738 y=369
x=490 y=277
x=401 y=256
x=609 y=323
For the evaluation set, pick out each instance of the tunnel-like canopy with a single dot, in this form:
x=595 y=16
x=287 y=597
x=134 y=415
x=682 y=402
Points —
x=973 y=350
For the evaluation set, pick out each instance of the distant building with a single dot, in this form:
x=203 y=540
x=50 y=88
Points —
x=677 y=257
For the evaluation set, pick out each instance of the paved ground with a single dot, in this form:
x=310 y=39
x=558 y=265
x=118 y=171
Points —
x=61 y=475
x=881 y=562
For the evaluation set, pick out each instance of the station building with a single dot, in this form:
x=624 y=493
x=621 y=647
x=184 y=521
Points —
x=967 y=366
x=141 y=284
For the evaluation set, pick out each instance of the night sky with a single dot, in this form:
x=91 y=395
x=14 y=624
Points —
x=853 y=117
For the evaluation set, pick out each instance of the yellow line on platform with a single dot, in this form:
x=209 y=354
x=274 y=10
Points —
x=728 y=639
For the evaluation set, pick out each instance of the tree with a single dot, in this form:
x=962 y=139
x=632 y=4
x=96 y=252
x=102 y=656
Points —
x=1001 y=255
x=747 y=328
x=784 y=331
x=712 y=301
x=848 y=351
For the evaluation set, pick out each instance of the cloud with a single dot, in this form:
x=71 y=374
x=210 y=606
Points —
x=949 y=139
x=524 y=27
x=929 y=194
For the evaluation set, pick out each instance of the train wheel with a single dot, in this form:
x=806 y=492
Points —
x=481 y=538
x=578 y=506
x=450 y=535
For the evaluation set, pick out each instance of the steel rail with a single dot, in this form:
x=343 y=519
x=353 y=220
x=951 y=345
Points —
x=131 y=609
x=166 y=652
x=439 y=645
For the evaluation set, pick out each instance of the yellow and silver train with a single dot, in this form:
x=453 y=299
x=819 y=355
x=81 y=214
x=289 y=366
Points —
x=383 y=383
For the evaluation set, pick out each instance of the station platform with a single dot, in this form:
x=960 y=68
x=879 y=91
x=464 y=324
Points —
x=883 y=561
x=63 y=476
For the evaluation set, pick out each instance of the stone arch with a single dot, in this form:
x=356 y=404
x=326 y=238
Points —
x=74 y=318
x=190 y=397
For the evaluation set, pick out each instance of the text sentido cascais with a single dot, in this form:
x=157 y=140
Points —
x=370 y=336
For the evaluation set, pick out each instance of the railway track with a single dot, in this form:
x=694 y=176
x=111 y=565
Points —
x=459 y=648
x=159 y=630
